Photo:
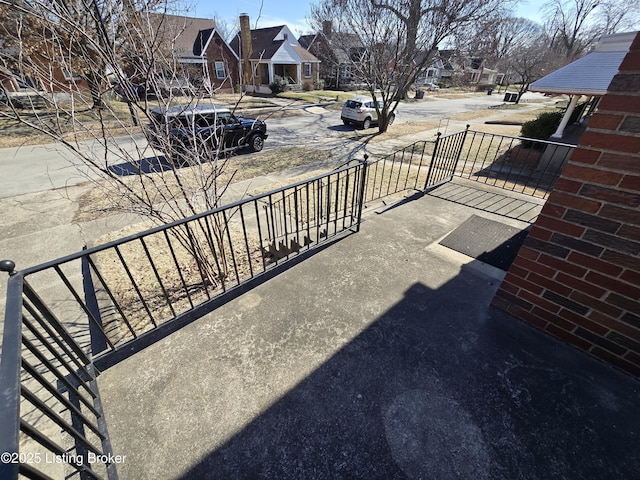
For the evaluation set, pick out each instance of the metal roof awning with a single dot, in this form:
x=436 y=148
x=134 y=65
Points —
x=590 y=75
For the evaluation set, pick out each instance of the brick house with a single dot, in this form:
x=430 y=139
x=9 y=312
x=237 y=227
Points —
x=342 y=55
x=577 y=277
x=205 y=58
x=274 y=51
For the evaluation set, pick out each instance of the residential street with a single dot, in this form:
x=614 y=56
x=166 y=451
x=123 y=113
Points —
x=33 y=169
x=43 y=184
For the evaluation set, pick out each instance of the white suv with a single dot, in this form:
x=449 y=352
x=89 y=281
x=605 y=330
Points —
x=361 y=111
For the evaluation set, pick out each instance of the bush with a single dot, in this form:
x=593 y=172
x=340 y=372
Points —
x=278 y=85
x=542 y=127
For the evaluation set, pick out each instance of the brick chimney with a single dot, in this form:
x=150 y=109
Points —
x=245 y=48
x=327 y=28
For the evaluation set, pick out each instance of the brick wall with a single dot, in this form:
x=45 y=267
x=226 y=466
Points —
x=578 y=275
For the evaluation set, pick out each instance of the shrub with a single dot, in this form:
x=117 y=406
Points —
x=543 y=126
x=278 y=85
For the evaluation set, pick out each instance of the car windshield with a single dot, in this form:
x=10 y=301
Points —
x=352 y=104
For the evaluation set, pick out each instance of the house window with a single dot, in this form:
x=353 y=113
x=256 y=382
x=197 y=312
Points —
x=345 y=72
x=65 y=67
x=220 y=71
x=307 y=70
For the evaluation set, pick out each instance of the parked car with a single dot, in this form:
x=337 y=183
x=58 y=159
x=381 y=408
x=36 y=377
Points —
x=432 y=87
x=361 y=111
x=186 y=128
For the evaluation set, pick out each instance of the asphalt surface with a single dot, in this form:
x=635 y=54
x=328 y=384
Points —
x=31 y=169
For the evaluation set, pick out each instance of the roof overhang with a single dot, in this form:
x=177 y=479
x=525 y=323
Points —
x=590 y=75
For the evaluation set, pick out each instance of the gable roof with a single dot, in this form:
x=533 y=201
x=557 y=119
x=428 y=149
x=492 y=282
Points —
x=187 y=36
x=266 y=42
x=305 y=41
x=591 y=74
x=263 y=45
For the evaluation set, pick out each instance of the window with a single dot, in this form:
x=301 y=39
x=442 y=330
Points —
x=307 y=70
x=65 y=67
x=220 y=70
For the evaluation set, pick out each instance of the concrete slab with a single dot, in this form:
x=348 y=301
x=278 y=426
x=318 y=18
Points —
x=379 y=357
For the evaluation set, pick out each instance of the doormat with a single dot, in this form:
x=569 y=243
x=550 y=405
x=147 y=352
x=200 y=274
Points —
x=491 y=242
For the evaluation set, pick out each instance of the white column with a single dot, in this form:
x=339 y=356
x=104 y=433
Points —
x=572 y=105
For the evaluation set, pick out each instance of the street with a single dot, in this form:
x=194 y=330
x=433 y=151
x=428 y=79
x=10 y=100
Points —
x=31 y=169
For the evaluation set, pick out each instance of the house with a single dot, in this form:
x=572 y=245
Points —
x=274 y=51
x=341 y=55
x=205 y=59
x=34 y=67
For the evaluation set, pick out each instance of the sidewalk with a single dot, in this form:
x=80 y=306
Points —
x=379 y=357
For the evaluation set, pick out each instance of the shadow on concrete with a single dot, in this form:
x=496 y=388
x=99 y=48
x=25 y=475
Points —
x=441 y=386
x=490 y=199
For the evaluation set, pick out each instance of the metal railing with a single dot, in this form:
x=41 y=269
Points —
x=517 y=164
x=522 y=165
x=67 y=318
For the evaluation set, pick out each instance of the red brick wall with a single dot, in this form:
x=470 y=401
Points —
x=578 y=275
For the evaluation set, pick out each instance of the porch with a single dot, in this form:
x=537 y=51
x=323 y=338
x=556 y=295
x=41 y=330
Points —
x=379 y=357
x=374 y=355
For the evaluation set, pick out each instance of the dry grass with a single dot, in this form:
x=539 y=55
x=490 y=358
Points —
x=96 y=204
x=179 y=287
x=396 y=130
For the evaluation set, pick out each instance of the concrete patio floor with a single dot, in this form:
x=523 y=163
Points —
x=377 y=358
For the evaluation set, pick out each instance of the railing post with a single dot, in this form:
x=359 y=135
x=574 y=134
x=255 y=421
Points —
x=433 y=160
x=10 y=374
x=363 y=189
x=459 y=152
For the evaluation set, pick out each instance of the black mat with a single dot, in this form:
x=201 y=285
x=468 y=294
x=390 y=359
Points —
x=486 y=240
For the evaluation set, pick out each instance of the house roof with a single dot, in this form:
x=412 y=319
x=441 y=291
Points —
x=306 y=40
x=263 y=45
x=304 y=54
x=266 y=42
x=187 y=35
x=591 y=74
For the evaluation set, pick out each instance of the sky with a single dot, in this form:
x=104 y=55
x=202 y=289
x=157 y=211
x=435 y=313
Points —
x=292 y=13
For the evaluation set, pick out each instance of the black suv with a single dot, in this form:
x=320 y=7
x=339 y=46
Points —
x=186 y=128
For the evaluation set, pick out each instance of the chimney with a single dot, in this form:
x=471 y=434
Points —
x=245 y=48
x=326 y=28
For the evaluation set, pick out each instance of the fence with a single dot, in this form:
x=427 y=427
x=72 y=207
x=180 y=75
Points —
x=517 y=164
x=67 y=318
x=521 y=165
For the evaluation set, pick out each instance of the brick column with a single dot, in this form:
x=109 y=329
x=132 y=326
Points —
x=578 y=275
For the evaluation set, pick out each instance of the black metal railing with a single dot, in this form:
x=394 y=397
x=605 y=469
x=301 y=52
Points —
x=67 y=318
x=522 y=165
x=403 y=170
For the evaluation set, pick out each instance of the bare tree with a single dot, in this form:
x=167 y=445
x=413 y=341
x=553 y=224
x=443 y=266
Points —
x=575 y=25
x=531 y=61
x=497 y=38
x=396 y=38
x=78 y=60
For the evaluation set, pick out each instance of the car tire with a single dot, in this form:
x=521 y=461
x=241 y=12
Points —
x=366 y=124
x=392 y=118
x=256 y=143
x=346 y=122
